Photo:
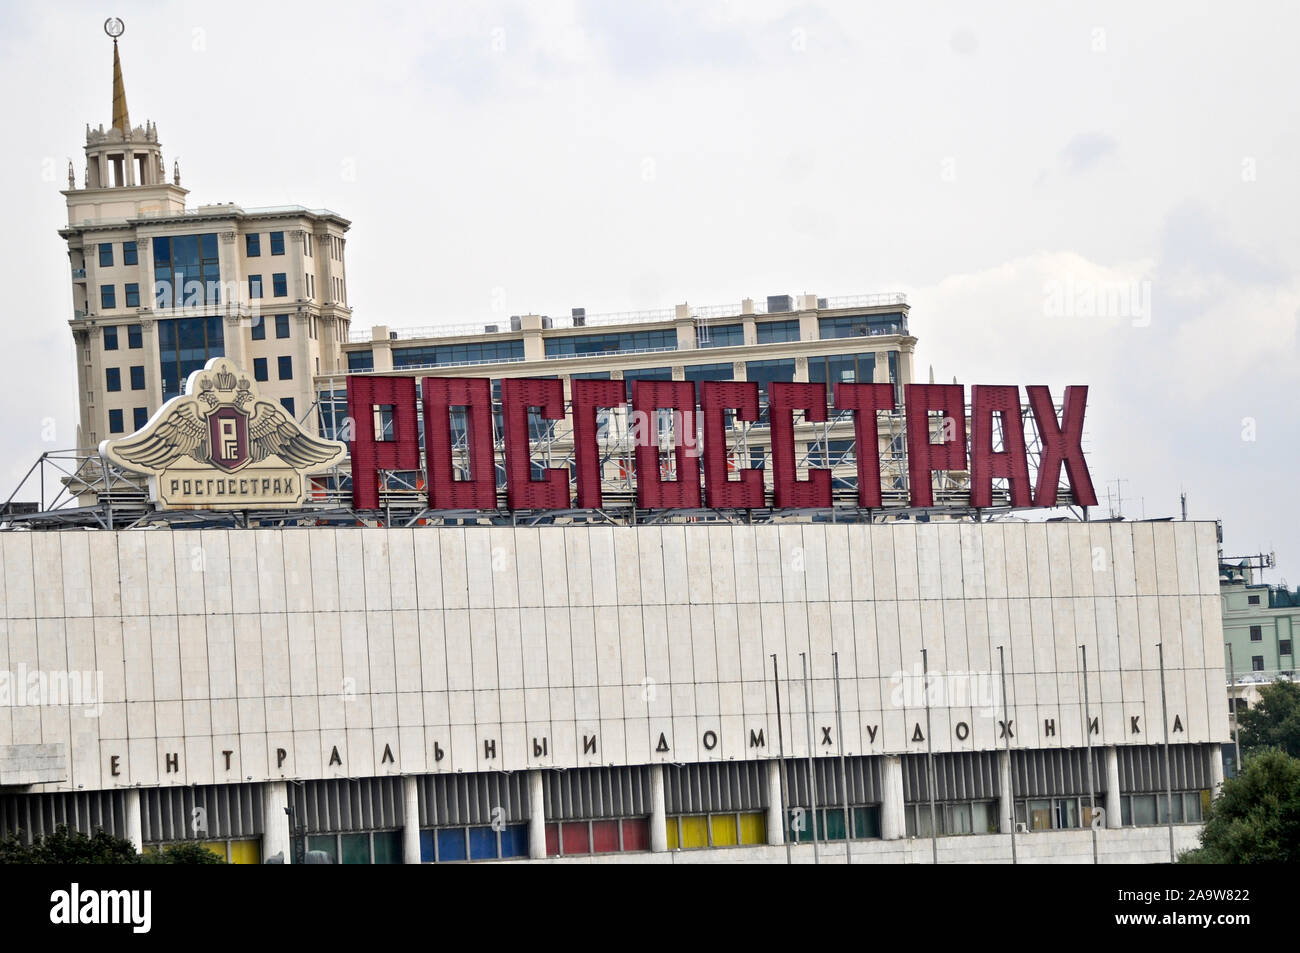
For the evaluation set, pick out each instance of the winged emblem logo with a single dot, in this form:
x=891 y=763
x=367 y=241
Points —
x=221 y=446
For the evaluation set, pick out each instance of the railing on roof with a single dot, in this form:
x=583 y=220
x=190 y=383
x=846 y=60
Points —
x=564 y=322
x=624 y=350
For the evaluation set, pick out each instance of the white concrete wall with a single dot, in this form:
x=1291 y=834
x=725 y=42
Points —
x=396 y=646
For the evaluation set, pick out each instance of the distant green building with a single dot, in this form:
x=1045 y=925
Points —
x=1260 y=622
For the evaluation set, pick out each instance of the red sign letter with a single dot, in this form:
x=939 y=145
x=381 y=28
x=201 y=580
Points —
x=923 y=456
x=1010 y=461
x=518 y=396
x=653 y=492
x=1062 y=443
x=588 y=395
x=441 y=394
x=369 y=455
x=783 y=398
x=865 y=400
x=717 y=397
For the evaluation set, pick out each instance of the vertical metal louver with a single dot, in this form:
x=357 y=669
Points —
x=35 y=815
x=863 y=775
x=715 y=787
x=958 y=776
x=455 y=799
x=229 y=810
x=342 y=806
x=596 y=793
x=1056 y=772
x=1142 y=768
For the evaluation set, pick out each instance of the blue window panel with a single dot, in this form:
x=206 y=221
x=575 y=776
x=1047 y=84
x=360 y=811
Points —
x=428 y=853
x=514 y=841
x=137 y=377
x=135 y=337
x=254 y=286
x=132 y=295
x=277 y=243
x=129 y=254
x=285 y=367
x=287 y=404
x=259 y=369
x=107 y=296
x=113 y=378
x=141 y=417
x=611 y=343
x=253 y=245
x=186 y=270
x=468 y=353
x=184 y=346
x=361 y=360
x=482 y=843
x=861 y=325
x=106 y=255
x=282 y=325
x=259 y=328
x=115 y=421
x=451 y=844
x=771 y=332
x=110 y=339
x=280 y=285
x=719 y=335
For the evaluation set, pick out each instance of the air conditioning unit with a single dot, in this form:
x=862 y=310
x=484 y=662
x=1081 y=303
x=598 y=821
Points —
x=546 y=323
x=392 y=335
x=1022 y=828
x=778 y=303
x=491 y=328
x=515 y=323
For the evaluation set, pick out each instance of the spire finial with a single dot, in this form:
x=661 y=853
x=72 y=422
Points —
x=121 y=120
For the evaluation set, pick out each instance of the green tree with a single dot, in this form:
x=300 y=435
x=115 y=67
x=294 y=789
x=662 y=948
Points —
x=1257 y=818
x=63 y=846
x=190 y=852
x=1275 y=721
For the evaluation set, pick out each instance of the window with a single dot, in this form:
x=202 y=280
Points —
x=287 y=404
x=765 y=372
x=842 y=368
x=106 y=255
x=1256 y=633
x=253 y=245
x=830 y=823
x=115 y=421
x=285 y=368
x=134 y=337
x=132 y=295
x=113 y=379
x=861 y=325
x=259 y=369
x=1284 y=647
x=1148 y=810
x=361 y=360
x=107 y=297
x=646 y=374
x=772 y=332
x=280 y=285
x=1252 y=600
x=277 y=243
x=485 y=352
x=254 y=286
x=953 y=817
x=259 y=328
x=282 y=325
x=609 y=836
x=186 y=270
x=367 y=847
x=140 y=417
x=110 y=339
x=137 y=377
x=719 y=335
x=612 y=343
x=129 y=254
x=185 y=345
x=449 y=844
x=1257 y=663
x=1045 y=814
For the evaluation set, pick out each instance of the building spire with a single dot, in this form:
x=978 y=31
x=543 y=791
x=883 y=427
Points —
x=121 y=120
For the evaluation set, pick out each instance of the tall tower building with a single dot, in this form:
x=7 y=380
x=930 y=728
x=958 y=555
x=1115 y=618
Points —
x=158 y=288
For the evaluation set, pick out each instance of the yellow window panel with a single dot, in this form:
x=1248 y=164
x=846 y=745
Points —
x=724 y=830
x=245 y=852
x=753 y=828
x=217 y=847
x=672 y=833
x=695 y=831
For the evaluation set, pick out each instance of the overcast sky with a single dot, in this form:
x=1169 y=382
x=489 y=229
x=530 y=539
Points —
x=1002 y=164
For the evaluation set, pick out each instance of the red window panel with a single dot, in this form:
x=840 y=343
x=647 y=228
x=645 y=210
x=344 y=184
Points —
x=636 y=834
x=604 y=837
x=577 y=838
x=552 y=840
